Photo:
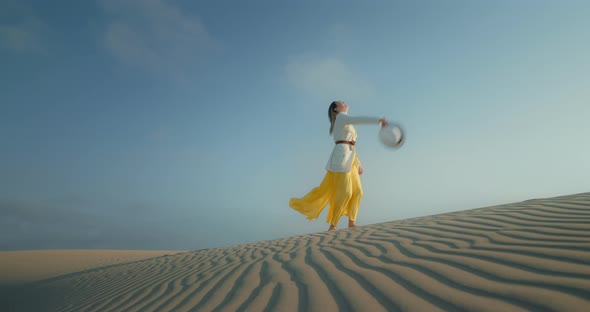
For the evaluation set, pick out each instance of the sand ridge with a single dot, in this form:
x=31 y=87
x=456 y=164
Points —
x=527 y=256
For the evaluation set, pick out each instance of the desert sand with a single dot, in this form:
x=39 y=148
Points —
x=20 y=267
x=527 y=256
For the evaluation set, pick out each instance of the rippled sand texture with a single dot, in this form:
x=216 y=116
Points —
x=527 y=256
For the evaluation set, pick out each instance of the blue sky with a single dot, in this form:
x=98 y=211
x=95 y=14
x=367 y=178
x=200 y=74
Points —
x=189 y=124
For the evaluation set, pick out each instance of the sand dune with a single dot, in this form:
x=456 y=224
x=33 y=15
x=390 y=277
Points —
x=527 y=256
x=19 y=267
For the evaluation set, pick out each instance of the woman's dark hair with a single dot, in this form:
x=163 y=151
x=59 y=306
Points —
x=332 y=114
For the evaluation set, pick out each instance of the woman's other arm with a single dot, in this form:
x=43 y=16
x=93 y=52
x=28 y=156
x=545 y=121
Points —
x=358 y=165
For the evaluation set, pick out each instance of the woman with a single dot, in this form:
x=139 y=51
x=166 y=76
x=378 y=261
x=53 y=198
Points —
x=341 y=187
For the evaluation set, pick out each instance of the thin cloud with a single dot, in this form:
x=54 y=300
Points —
x=155 y=35
x=327 y=78
x=21 y=30
x=78 y=224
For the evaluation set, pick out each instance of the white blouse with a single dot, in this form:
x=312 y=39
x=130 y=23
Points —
x=343 y=155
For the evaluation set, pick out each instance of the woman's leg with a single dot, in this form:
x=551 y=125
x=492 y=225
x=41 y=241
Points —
x=355 y=199
x=342 y=195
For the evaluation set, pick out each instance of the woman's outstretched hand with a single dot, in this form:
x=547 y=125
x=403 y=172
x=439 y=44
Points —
x=383 y=122
x=360 y=170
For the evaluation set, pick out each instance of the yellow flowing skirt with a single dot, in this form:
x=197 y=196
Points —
x=342 y=190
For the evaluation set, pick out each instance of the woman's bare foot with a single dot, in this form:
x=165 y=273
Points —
x=351 y=224
x=332 y=228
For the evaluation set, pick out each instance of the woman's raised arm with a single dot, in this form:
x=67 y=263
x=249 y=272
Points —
x=357 y=120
